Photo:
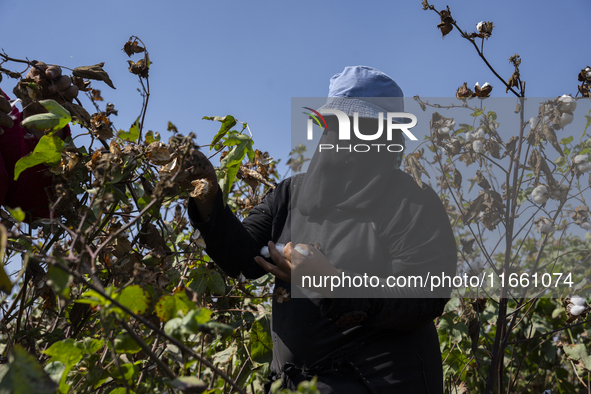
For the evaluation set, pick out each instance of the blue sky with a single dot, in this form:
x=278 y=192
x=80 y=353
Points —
x=248 y=58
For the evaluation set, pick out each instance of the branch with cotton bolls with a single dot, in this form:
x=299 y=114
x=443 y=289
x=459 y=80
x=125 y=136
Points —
x=576 y=306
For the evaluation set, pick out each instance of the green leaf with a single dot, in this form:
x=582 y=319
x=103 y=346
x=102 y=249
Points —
x=478 y=112
x=133 y=134
x=48 y=150
x=17 y=213
x=124 y=343
x=60 y=281
x=150 y=137
x=129 y=370
x=168 y=306
x=92 y=298
x=235 y=156
x=23 y=375
x=204 y=278
x=57 y=118
x=492 y=115
x=121 y=390
x=560 y=161
x=189 y=383
x=134 y=298
x=228 y=122
x=68 y=353
x=579 y=354
x=567 y=140
x=261 y=343
x=5 y=284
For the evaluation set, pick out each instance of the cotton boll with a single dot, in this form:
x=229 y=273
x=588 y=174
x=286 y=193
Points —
x=581 y=159
x=265 y=250
x=578 y=300
x=544 y=225
x=565 y=120
x=576 y=310
x=301 y=250
x=477 y=145
x=469 y=136
x=481 y=26
x=533 y=122
x=585 y=226
x=443 y=130
x=479 y=133
x=585 y=167
x=540 y=194
x=486 y=85
x=567 y=103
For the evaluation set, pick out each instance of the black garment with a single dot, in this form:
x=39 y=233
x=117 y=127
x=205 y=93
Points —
x=377 y=345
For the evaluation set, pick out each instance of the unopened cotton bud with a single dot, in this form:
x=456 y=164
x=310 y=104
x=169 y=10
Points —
x=578 y=300
x=581 y=159
x=301 y=250
x=477 y=145
x=576 y=310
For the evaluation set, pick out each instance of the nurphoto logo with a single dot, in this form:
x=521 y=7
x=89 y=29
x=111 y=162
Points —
x=392 y=123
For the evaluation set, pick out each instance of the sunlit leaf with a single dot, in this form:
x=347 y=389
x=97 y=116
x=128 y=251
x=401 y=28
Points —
x=48 y=150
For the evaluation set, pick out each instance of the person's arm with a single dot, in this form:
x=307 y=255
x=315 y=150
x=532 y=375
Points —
x=233 y=244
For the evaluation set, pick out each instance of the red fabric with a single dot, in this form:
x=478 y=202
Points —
x=32 y=189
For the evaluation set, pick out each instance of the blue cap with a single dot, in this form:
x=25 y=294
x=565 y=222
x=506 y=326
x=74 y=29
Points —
x=364 y=90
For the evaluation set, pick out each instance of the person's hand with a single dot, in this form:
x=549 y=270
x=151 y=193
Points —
x=201 y=180
x=297 y=261
x=5 y=119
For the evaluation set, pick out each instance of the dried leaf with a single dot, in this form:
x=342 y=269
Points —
x=550 y=135
x=513 y=80
x=415 y=167
x=78 y=113
x=132 y=47
x=158 y=153
x=101 y=126
x=457 y=182
x=95 y=72
x=481 y=180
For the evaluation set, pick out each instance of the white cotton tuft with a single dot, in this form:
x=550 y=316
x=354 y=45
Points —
x=581 y=159
x=567 y=103
x=533 y=122
x=540 y=194
x=585 y=167
x=477 y=145
x=302 y=251
x=479 y=133
x=578 y=300
x=577 y=310
x=265 y=250
x=586 y=226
